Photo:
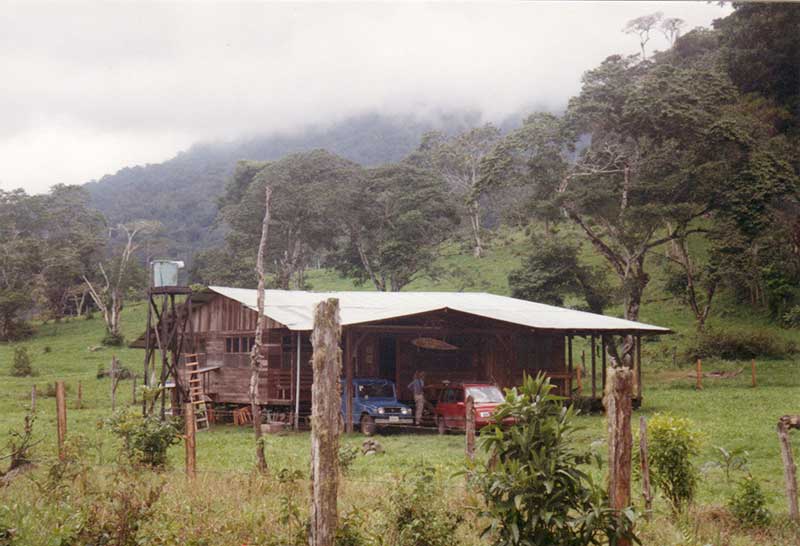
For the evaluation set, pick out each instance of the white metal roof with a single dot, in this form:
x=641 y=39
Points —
x=295 y=309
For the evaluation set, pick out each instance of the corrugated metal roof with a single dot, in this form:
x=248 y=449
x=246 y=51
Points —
x=295 y=309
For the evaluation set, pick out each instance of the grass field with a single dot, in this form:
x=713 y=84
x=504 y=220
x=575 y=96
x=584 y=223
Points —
x=728 y=413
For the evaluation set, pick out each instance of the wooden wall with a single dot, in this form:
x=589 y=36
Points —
x=486 y=357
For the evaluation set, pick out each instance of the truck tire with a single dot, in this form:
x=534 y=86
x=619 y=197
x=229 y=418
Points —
x=367 y=425
x=440 y=424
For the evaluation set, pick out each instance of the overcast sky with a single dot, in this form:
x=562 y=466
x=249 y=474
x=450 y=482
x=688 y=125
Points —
x=89 y=88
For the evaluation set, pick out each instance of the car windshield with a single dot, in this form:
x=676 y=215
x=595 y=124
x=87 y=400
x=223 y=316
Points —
x=485 y=395
x=375 y=390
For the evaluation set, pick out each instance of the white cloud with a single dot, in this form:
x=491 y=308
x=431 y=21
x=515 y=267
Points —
x=92 y=87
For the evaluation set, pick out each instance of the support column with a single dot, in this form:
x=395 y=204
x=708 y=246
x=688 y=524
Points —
x=297 y=387
x=348 y=390
x=569 y=366
x=594 y=369
x=603 y=359
x=639 y=367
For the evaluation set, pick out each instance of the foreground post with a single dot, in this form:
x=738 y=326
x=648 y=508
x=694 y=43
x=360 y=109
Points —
x=191 y=437
x=79 y=402
x=786 y=423
x=753 y=372
x=470 y=428
x=645 y=465
x=325 y=408
x=33 y=399
x=619 y=387
x=61 y=418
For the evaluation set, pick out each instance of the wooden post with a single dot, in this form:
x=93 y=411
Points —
x=645 y=466
x=191 y=446
x=297 y=387
x=753 y=372
x=61 y=418
x=33 y=399
x=113 y=382
x=594 y=371
x=326 y=405
x=348 y=372
x=786 y=423
x=469 y=408
x=639 y=367
x=570 y=367
x=603 y=360
x=79 y=402
x=617 y=401
x=699 y=373
x=579 y=378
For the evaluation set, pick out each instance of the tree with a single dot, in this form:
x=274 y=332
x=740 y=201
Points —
x=642 y=26
x=303 y=187
x=671 y=28
x=393 y=222
x=117 y=276
x=552 y=270
x=459 y=160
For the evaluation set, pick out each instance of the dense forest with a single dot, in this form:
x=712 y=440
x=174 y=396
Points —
x=657 y=150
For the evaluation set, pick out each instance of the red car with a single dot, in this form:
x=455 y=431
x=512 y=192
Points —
x=450 y=411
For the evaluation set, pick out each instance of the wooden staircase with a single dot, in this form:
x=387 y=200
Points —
x=196 y=394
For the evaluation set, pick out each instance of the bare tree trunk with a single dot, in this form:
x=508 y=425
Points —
x=475 y=221
x=255 y=353
x=786 y=423
x=325 y=414
x=469 y=408
x=619 y=387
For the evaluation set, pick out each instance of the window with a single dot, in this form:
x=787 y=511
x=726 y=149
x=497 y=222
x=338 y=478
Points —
x=239 y=344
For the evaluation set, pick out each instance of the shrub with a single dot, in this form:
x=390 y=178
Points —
x=113 y=340
x=737 y=345
x=347 y=454
x=748 y=504
x=419 y=515
x=533 y=485
x=22 y=365
x=791 y=318
x=672 y=445
x=47 y=349
x=145 y=440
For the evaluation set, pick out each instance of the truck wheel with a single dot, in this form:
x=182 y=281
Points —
x=441 y=425
x=367 y=425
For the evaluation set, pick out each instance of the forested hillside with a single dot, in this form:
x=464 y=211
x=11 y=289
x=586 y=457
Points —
x=182 y=192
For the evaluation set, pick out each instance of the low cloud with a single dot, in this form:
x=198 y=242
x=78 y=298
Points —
x=90 y=88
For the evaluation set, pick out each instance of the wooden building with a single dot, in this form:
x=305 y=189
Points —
x=450 y=336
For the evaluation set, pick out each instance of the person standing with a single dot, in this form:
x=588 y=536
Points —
x=417 y=386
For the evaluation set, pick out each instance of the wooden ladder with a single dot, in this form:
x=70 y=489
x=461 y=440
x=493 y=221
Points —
x=196 y=393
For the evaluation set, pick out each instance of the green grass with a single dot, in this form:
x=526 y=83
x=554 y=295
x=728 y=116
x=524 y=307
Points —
x=728 y=412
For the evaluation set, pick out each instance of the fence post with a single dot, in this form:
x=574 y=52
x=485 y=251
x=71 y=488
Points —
x=191 y=449
x=645 y=465
x=469 y=408
x=61 y=418
x=753 y=372
x=699 y=375
x=325 y=415
x=786 y=423
x=618 y=393
x=33 y=399
x=79 y=402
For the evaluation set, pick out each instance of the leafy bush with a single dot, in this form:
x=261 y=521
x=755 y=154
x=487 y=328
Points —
x=748 y=505
x=419 y=515
x=145 y=440
x=533 y=484
x=672 y=444
x=738 y=345
x=22 y=365
x=791 y=317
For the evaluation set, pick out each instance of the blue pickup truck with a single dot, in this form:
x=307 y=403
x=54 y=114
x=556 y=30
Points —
x=375 y=405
